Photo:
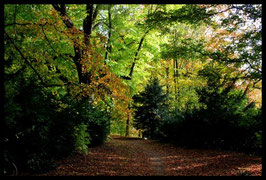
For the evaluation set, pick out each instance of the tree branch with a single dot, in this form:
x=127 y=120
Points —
x=62 y=10
x=26 y=60
x=136 y=54
x=88 y=22
x=46 y=38
x=109 y=47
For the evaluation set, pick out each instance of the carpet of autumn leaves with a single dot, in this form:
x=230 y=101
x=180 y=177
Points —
x=136 y=157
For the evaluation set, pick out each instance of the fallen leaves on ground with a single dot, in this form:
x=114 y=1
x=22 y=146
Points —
x=136 y=157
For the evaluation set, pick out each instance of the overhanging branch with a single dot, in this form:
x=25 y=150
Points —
x=27 y=61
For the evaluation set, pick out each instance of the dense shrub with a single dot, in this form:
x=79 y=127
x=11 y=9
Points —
x=96 y=119
x=226 y=119
x=42 y=128
x=27 y=131
x=62 y=139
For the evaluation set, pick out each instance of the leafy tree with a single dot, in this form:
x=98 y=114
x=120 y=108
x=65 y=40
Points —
x=71 y=71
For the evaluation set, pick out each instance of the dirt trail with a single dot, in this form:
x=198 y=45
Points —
x=137 y=157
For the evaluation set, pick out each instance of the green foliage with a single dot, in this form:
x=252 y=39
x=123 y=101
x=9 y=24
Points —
x=62 y=134
x=151 y=106
x=189 y=13
x=225 y=120
x=82 y=138
x=28 y=128
x=98 y=127
x=96 y=119
x=40 y=162
x=40 y=131
x=169 y=129
x=63 y=95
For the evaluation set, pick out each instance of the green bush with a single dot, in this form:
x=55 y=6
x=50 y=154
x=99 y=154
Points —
x=96 y=119
x=231 y=121
x=40 y=163
x=98 y=127
x=62 y=139
x=40 y=132
x=82 y=138
x=225 y=119
x=169 y=126
x=28 y=129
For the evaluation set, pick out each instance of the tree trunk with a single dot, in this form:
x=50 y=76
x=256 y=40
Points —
x=87 y=27
x=167 y=77
x=127 y=127
x=131 y=73
x=175 y=77
x=109 y=47
x=176 y=71
x=137 y=53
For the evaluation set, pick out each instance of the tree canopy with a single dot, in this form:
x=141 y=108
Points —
x=75 y=73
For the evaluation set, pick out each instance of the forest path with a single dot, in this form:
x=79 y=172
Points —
x=122 y=156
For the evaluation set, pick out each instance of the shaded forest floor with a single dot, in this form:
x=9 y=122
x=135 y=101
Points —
x=136 y=157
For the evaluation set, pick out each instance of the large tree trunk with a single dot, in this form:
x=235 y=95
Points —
x=88 y=22
x=87 y=27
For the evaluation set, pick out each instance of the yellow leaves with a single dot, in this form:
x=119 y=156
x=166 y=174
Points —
x=53 y=13
x=221 y=37
x=102 y=37
x=103 y=83
x=110 y=85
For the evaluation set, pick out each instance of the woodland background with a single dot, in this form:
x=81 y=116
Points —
x=75 y=73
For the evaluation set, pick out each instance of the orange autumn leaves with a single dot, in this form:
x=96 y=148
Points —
x=104 y=85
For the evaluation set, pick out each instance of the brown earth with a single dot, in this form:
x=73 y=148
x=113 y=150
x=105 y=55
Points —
x=137 y=157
